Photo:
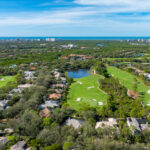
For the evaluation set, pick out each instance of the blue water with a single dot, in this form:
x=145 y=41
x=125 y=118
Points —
x=79 y=73
x=101 y=45
x=76 y=38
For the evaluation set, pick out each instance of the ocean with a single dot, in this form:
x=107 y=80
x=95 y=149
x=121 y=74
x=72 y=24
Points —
x=76 y=38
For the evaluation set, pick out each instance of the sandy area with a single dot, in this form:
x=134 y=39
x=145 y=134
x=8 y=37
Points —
x=79 y=82
x=148 y=91
x=100 y=103
x=91 y=87
x=78 y=99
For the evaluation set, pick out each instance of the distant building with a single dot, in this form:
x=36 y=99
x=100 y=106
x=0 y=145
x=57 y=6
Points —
x=50 y=39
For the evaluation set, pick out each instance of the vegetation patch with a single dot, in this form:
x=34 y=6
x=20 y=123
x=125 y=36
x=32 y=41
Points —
x=87 y=92
x=4 y=80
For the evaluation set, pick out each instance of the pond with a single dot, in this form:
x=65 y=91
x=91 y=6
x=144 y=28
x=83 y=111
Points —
x=78 y=73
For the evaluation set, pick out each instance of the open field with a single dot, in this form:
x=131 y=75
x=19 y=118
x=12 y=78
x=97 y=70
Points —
x=85 y=90
x=127 y=80
x=6 y=79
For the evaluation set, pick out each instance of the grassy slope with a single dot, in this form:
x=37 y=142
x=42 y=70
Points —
x=127 y=80
x=6 y=80
x=87 y=95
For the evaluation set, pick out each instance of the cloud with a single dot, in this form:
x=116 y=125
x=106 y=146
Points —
x=125 y=5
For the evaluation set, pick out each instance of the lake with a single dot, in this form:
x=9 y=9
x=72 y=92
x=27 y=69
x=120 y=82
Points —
x=78 y=73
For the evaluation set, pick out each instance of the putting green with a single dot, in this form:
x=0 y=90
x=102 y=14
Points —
x=85 y=90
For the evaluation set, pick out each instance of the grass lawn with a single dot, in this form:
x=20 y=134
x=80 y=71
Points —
x=127 y=80
x=85 y=90
x=5 y=79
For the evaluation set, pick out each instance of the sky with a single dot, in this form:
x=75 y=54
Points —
x=74 y=18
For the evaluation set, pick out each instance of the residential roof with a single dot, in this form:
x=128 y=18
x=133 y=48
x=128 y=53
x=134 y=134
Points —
x=110 y=122
x=139 y=123
x=19 y=146
x=76 y=123
x=54 y=96
x=24 y=86
x=50 y=103
x=132 y=94
x=45 y=113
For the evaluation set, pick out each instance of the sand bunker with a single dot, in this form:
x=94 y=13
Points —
x=148 y=104
x=94 y=100
x=148 y=91
x=79 y=82
x=78 y=99
x=100 y=103
x=91 y=87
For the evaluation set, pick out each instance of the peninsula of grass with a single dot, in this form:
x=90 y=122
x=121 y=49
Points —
x=127 y=80
x=4 y=80
x=85 y=90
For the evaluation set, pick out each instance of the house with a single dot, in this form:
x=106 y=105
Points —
x=57 y=75
x=21 y=145
x=76 y=123
x=147 y=75
x=50 y=103
x=58 y=86
x=24 y=86
x=54 y=96
x=3 y=140
x=16 y=90
x=32 y=68
x=45 y=113
x=110 y=122
x=3 y=104
x=29 y=75
x=64 y=57
x=132 y=94
x=137 y=124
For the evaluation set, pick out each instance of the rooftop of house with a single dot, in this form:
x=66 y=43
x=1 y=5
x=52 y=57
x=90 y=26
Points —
x=76 y=123
x=54 y=96
x=45 y=113
x=24 y=86
x=132 y=94
x=21 y=145
x=110 y=122
x=50 y=103
x=139 y=123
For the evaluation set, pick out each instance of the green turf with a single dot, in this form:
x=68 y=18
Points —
x=86 y=94
x=6 y=79
x=127 y=80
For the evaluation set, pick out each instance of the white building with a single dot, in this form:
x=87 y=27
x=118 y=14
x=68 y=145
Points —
x=50 y=39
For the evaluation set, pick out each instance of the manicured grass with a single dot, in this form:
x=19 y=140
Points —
x=127 y=80
x=6 y=79
x=87 y=90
